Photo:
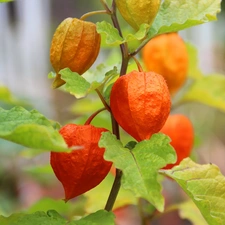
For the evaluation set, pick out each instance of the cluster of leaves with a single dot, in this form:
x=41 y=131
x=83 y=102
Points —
x=52 y=217
x=204 y=184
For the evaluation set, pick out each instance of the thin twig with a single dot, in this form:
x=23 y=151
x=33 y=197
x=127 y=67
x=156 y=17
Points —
x=86 y=15
x=140 y=69
x=88 y=121
x=139 y=48
x=105 y=6
x=103 y=100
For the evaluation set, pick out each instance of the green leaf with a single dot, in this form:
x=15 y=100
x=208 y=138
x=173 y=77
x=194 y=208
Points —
x=30 y=129
x=208 y=90
x=140 y=166
x=130 y=145
x=70 y=209
x=51 y=75
x=98 y=77
x=29 y=153
x=37 y=218
x=53 y=218
x=7 y=97
x=96 y=197
x=193 y=71
x=80 y=86
x=139 y=35
x=189 y=211
x=75 y=83
x=112 y=37
x=205 y=185
x=180 y=14
x=97 y=218
x=112 y=34
x=107 y=92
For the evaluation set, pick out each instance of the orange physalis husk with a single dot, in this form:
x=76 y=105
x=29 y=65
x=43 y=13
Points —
x=75 y=45
x=83 y=169
x=179 y=128
x=167 y=55
x=140 y=103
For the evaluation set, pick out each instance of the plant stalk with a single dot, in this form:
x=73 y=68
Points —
x=114 y=191
x=115 y=127
x=139 y=48
x=103 y=100
x=123 y=47
x=105 y=6
x=140 y=69
x=88 y=121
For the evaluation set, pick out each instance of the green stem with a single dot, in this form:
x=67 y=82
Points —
x=86 y=15
x=105 y=6
x=115 y=127
x=114 y=191
x=103 y=100
x=88 y=121
x=139 y=48
x=123 y=47
x=140 y=69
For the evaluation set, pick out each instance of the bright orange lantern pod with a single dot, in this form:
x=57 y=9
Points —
x=179 y=128
x=75 y=45
x=83 y=169
x=167 y=55
x=140 y=103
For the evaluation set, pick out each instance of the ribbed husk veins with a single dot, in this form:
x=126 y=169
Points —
x=179 y=128
x=140 y=103
x=138 y=12
x=82 y=169
x=75 y=45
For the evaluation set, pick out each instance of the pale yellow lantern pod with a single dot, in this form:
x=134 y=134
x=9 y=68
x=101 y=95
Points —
x=137 y=12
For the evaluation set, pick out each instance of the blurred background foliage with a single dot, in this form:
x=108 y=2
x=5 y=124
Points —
x=26 y=178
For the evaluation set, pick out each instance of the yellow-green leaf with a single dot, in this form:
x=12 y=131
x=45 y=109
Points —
x=175 y=15
x=30 y=129
x=205 y=185
x=188 y=210
x=208 y=90
x=140 y=165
